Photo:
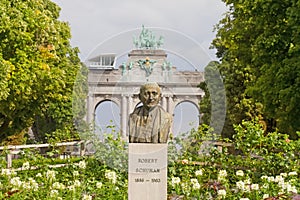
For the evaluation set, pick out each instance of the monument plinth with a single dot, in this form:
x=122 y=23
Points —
x=147 y=175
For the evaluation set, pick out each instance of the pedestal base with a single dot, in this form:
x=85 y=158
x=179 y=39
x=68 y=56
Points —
x=147 y=171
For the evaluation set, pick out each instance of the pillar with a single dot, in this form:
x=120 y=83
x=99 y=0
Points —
x=169 y=105
x=129 y=111
x=129 y=104
x=90 y=108
x=164 y=102
x=123 y=115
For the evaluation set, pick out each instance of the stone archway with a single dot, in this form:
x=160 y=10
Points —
x=122 y=84
x=107 y=117
x=186 y=114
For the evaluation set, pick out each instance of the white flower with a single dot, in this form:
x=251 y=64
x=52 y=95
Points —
x=284 y=185
x=72 y=188
x=292 y=189
x=111 y=175
x=38 y=175
x=175 y=181
x=266 y=196
x=222 y=173
x=184 y=186
x=289 y=188
x=271 y=179
x=87 y=197
x=247 y=181
x=98 y=185
x=34 y=186
x=194 y=181
x=31 y=184
x=244 y=199
x=26 y=185
x=31 y=179
x=75 y=173
x=239 y=173
x=77 y=183
x=293 y=173
x=58 y=186
x=264 y=177
x=265 y=186
x=5 y=172
x=222 y=193
x=53 y=193
x=240 y=185
x=199 y=172
x=247 y=188
x=196 y=186
x=255 y=187
x=82 y=164
x=279 y=179
x=50 y=175
x=283 y=174
x=26 y=166
x=16 y=182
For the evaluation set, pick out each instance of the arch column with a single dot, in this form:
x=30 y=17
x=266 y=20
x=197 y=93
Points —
x=129 y=111
x=90 y=108
x=170 y=104
x=123 y=115
x=130 y=106
x=164 y=102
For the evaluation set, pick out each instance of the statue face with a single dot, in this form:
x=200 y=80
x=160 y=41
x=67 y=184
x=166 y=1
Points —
x=150 y=96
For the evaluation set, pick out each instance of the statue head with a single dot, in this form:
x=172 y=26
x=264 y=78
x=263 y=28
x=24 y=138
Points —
x=150 y=95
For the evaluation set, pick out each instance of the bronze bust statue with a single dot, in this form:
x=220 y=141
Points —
x=149 y=123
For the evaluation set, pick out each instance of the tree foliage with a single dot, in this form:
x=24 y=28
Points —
x=38 y=63
x=213 y=104
x=258 y=43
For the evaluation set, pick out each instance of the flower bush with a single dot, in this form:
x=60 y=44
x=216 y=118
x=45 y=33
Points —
x=80 y=180
x=258 y=166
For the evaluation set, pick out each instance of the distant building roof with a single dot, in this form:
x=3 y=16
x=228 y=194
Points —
x=102 y=61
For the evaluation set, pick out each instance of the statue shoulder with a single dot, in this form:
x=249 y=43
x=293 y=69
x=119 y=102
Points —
x=165 y=114
x=136 y=111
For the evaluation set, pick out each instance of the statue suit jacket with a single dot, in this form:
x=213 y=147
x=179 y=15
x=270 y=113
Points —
x=151 y=126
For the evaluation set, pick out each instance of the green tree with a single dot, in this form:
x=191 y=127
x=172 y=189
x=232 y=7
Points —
x=277 y=47
x=213 y=104
x=258 y=44
x=39 y=64
x=236 y=69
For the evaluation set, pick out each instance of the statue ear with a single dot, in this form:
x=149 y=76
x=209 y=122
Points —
x=139 y=96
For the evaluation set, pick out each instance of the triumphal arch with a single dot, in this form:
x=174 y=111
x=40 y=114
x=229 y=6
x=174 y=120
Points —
x=146 y=63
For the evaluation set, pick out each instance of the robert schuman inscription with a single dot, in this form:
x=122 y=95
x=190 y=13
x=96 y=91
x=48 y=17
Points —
x=147 y=170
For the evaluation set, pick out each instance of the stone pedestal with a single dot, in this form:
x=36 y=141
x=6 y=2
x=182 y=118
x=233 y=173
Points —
x=147 y=171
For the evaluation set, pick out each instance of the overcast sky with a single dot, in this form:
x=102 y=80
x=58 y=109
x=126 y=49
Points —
x=186 y=25
x=108 y=26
